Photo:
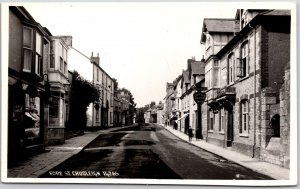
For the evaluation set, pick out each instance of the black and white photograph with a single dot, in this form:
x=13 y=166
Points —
x=171 y=93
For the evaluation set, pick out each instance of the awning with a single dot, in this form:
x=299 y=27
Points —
x=184 y=115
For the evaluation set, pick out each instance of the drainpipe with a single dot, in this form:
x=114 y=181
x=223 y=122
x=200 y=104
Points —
x=254 y=111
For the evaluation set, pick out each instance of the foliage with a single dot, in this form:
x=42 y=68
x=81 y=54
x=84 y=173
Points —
x=82 y=93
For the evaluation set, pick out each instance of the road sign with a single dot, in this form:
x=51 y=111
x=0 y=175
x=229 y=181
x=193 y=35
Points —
x=199 y=97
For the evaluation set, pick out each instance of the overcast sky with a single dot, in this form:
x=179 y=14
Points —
x=142 y=45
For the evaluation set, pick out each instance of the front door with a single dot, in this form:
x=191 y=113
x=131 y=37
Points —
x=229 y=128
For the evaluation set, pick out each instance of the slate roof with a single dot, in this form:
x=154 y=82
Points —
x=219 y=25
x=277 y=13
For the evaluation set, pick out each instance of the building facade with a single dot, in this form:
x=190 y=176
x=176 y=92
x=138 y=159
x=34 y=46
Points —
x=103 y=110
x=243 y=80
x=29 y=56
x=59 y=86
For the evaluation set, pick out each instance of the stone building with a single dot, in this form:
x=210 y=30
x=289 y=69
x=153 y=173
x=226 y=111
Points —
x=28 y=91
x=243 y=80
x=103 y=110
x=59 y=86
x=169 y=102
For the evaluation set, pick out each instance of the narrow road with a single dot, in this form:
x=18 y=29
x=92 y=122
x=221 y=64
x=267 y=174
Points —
x=151 y=152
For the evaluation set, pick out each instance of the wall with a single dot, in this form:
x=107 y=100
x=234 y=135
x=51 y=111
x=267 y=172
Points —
x=15 y=42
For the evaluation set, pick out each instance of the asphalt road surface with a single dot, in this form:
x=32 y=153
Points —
x=148 y=152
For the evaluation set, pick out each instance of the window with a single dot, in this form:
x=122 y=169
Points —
x=215 y=77
x=97 y=116
x=61 y=64
x=222 y=120
x=27 y=48
x=54 y=107
x=242 y=68
x=231 y=66
x=52 y=59
x=65 y=67
x=244 y=116
x=97 y=74
x=38 y=54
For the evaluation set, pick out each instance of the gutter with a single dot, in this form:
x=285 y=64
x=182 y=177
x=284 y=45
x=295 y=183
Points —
x=254 y=111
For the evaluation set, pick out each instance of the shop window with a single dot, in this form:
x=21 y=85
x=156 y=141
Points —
x=54 y=107
x=244 y=117
x=31 y=119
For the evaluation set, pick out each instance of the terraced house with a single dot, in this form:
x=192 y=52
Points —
x=247 y=79
x=29 y=55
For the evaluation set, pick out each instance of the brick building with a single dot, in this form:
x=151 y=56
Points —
x=244 y=78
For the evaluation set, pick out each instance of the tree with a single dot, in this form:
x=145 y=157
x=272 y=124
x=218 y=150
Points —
x=82 y=93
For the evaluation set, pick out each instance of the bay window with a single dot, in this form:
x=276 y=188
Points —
x=38 y=54
x=27 y=48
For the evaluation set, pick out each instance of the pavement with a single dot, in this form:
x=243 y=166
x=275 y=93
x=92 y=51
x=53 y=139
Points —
x=274 y=171
x=38 y=164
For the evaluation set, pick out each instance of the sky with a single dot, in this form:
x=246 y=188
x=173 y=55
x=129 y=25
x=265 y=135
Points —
x=142 y=45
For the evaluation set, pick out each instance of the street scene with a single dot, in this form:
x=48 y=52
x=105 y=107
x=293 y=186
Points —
x=170 y=91
x=148 y=152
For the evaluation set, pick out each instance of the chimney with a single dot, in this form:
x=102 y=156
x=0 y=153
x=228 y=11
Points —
x=202 y=60
x=95 y=59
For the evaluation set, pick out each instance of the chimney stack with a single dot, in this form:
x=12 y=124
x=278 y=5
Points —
x=96 y=60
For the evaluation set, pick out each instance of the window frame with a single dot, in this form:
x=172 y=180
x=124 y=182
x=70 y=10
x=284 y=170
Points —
x=231 y=68
x=29 y=49
x=244 y=119
x=243 y=69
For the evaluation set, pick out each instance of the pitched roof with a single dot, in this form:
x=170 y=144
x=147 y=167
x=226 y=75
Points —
x=277 y=13
x=218 y=25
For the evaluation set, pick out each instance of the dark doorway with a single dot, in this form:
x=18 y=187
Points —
x=229 y=128
x=275 y=124
x=186 y=124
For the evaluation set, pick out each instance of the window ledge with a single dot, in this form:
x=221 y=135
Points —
x=221 y=133
x=230 y=84
x=210 y=131
x=244 y=78
x=244 y=135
